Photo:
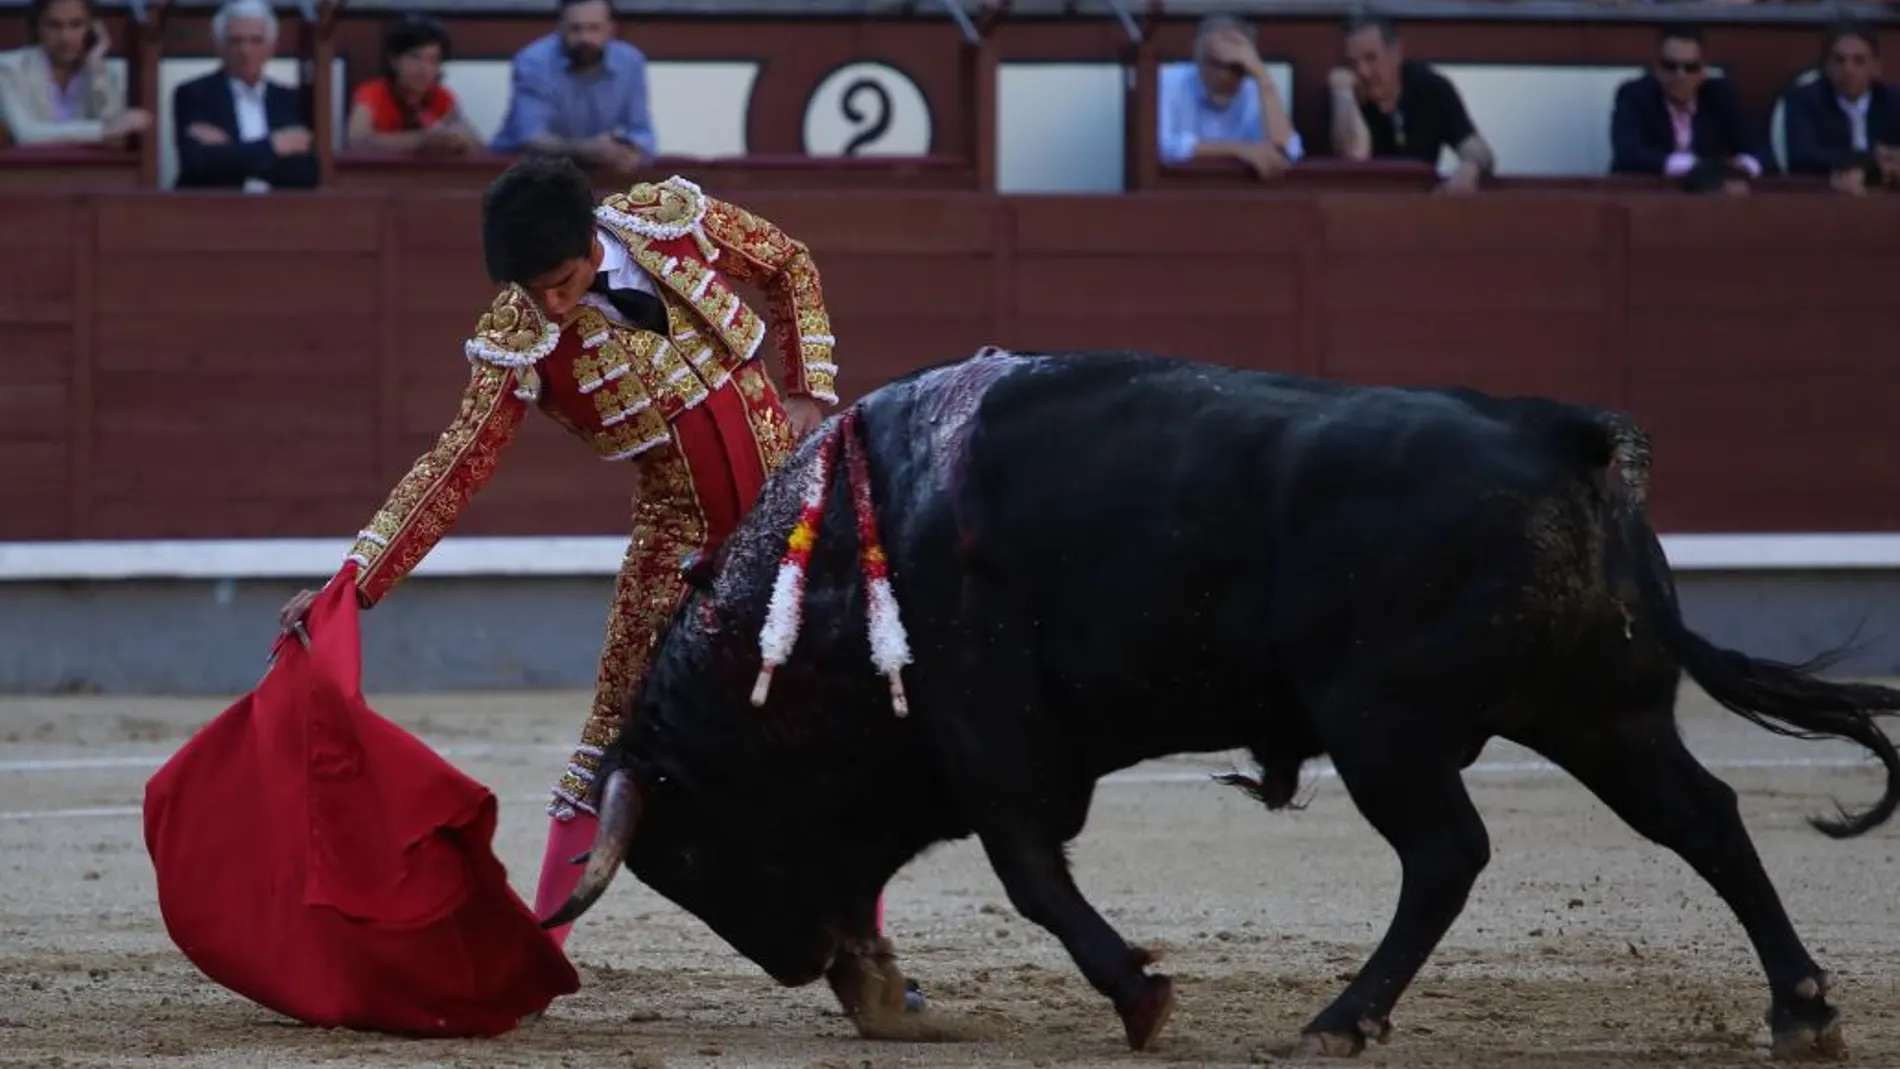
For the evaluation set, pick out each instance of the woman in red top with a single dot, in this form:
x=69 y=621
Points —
x=407 y=109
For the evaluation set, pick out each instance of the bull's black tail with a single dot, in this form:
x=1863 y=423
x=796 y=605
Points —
x=1787 y=699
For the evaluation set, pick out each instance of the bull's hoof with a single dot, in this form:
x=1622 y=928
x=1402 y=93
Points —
x=914 y=1023
x=1332 y=1044
x=1805 y=1027
x=882 y=1002
x=1144 y=1018
x=1807 y=1042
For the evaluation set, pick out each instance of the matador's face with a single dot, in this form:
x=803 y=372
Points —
x=559 y=291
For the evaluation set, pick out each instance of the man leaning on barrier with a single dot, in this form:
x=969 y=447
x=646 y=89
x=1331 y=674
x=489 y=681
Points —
x=1386 y=106
x=1224 y=106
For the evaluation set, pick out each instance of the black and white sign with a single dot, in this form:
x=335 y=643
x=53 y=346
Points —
x=867 y=109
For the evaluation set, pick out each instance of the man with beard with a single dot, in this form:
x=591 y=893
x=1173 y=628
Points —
x=581 y=92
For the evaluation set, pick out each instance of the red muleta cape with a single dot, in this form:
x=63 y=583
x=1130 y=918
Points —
x=321 y=861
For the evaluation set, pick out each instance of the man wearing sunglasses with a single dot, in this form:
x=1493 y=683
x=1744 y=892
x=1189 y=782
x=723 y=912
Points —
x=1677 y=122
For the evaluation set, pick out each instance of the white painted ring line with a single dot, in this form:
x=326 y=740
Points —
x=1530 y=769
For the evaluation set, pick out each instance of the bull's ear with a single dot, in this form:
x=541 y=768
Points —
x=696 y=569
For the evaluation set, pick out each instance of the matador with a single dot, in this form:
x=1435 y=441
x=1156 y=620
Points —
x=620 y=322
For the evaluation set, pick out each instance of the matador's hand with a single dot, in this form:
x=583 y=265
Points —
x=295 y=609
x=804 y=414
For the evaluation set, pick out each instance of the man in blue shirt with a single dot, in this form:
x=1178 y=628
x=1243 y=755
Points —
x=580 y=92
x=1223 y=105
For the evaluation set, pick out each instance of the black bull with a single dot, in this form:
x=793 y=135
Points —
x=1104 y=558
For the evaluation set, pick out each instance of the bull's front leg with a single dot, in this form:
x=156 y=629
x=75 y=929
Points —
x=1036 y=876
x=870 y=986
x=1408 y=787
x=873 y=992
x=1025 y=798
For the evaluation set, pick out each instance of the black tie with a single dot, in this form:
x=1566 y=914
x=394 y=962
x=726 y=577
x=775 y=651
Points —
x=638 y=307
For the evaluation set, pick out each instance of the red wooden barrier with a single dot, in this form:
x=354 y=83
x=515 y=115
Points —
x=227 y=366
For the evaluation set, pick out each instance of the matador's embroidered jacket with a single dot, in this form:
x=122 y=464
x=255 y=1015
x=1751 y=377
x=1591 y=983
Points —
x=615 y=387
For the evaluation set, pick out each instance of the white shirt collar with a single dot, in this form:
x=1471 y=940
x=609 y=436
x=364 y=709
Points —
x=613 y=255
x=622 y=270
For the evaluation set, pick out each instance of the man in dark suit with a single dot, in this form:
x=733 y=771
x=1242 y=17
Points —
x=1845 y=124
x=235 y=129
x=1677 y=122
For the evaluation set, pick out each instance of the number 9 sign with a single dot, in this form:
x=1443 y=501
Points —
x=867 y=109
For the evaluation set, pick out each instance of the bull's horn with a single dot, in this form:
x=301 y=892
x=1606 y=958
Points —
x=619 y=812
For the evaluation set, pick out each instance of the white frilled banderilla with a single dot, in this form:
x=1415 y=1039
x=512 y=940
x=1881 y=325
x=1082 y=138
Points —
x=890 y=647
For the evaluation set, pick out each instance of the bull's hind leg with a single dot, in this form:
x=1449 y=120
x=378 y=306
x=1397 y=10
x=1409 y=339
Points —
x=1406 y=784
x=1640 y=768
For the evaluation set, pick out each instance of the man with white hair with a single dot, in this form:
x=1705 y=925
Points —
x=1223 y=105
x=234 y=128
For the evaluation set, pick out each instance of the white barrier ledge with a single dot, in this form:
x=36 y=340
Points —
x=301 y=558
x=319 y=558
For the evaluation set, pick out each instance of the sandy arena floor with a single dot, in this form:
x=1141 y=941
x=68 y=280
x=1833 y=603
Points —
x=1582 y=945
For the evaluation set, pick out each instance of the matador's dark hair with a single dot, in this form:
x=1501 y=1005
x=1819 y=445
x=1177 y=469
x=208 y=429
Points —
x=536 y=216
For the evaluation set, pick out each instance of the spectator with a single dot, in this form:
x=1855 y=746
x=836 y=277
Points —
x=235 y=128
x=1223 y=105
x=1677 y=122
x=407 y=108
x=580 y=92
x=59 y=90
x=1386 y=106
x=1846 y=123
